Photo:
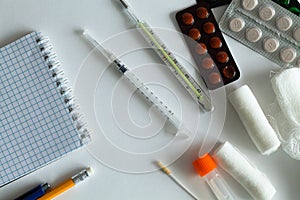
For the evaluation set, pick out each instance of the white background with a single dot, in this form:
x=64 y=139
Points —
x=60 y=20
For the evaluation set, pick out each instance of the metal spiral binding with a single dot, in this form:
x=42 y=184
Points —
x=62 y=85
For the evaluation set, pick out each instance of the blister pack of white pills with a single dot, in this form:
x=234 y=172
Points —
x=266 y=28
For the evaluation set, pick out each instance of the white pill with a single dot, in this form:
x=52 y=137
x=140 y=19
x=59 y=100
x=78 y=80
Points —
x=249 y=4
x=266 y=12
x=253 y=34
x=270 y=45
x=283 y=23
x=236 y=24
x=288 y=54
x=296 y=34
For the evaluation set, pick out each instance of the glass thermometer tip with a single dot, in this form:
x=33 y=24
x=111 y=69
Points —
x=129 y=11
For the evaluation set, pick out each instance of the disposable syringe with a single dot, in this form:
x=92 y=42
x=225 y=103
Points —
x=144 y=90
x=169 y=59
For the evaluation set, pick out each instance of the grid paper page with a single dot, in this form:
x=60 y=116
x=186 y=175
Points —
x=35 y=126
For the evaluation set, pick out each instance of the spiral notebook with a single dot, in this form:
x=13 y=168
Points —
x=39 y=121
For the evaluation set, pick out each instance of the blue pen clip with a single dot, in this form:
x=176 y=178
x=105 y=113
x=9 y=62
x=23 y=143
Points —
x=35 y=193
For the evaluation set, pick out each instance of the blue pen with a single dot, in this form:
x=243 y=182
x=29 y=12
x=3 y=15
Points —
x=35 y=193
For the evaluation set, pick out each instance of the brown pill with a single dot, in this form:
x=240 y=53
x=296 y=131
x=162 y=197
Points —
x=209 y=28
x=214 y=78
x=195 y=34
x=229 y=72
x=187 y=19
x=207 y=63
x=222 y=57
x=201 y=48
x=215 y=42
x=202 y=13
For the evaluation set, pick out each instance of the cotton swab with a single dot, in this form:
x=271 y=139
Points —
x=169 y=173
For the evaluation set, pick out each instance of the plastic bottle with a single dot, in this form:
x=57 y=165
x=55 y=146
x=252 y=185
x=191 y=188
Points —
x=207 y=169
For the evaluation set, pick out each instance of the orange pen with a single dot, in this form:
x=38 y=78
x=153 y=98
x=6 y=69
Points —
x=67 y=184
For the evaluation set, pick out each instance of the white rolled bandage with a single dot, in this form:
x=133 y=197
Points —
x=254 y=120
x=235 y=164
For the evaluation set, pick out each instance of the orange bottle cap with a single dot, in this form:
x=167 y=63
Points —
x=204 y=165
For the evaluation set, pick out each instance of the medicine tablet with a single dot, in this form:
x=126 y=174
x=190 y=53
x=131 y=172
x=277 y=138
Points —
x=209 y=28
x=214 y=78
x=222 y=57
x=236 y=24
x=202 y=13
x=266 y=12
x=270 y=45
x=187 y=19
x=288 y=54
x=201 y=49
x=215 y=42
x=296 y=34
x=283 y=23
x=229 y=72
x=253 y=34
x=195 y=34
x=249 y=4
x=207 y=63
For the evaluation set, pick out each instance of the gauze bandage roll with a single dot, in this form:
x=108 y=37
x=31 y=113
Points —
x=286 y=116
x=235 y=164
x=254 y=120
x=286 y=87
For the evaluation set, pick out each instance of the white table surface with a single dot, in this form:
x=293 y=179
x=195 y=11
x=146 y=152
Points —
x=124 y=177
